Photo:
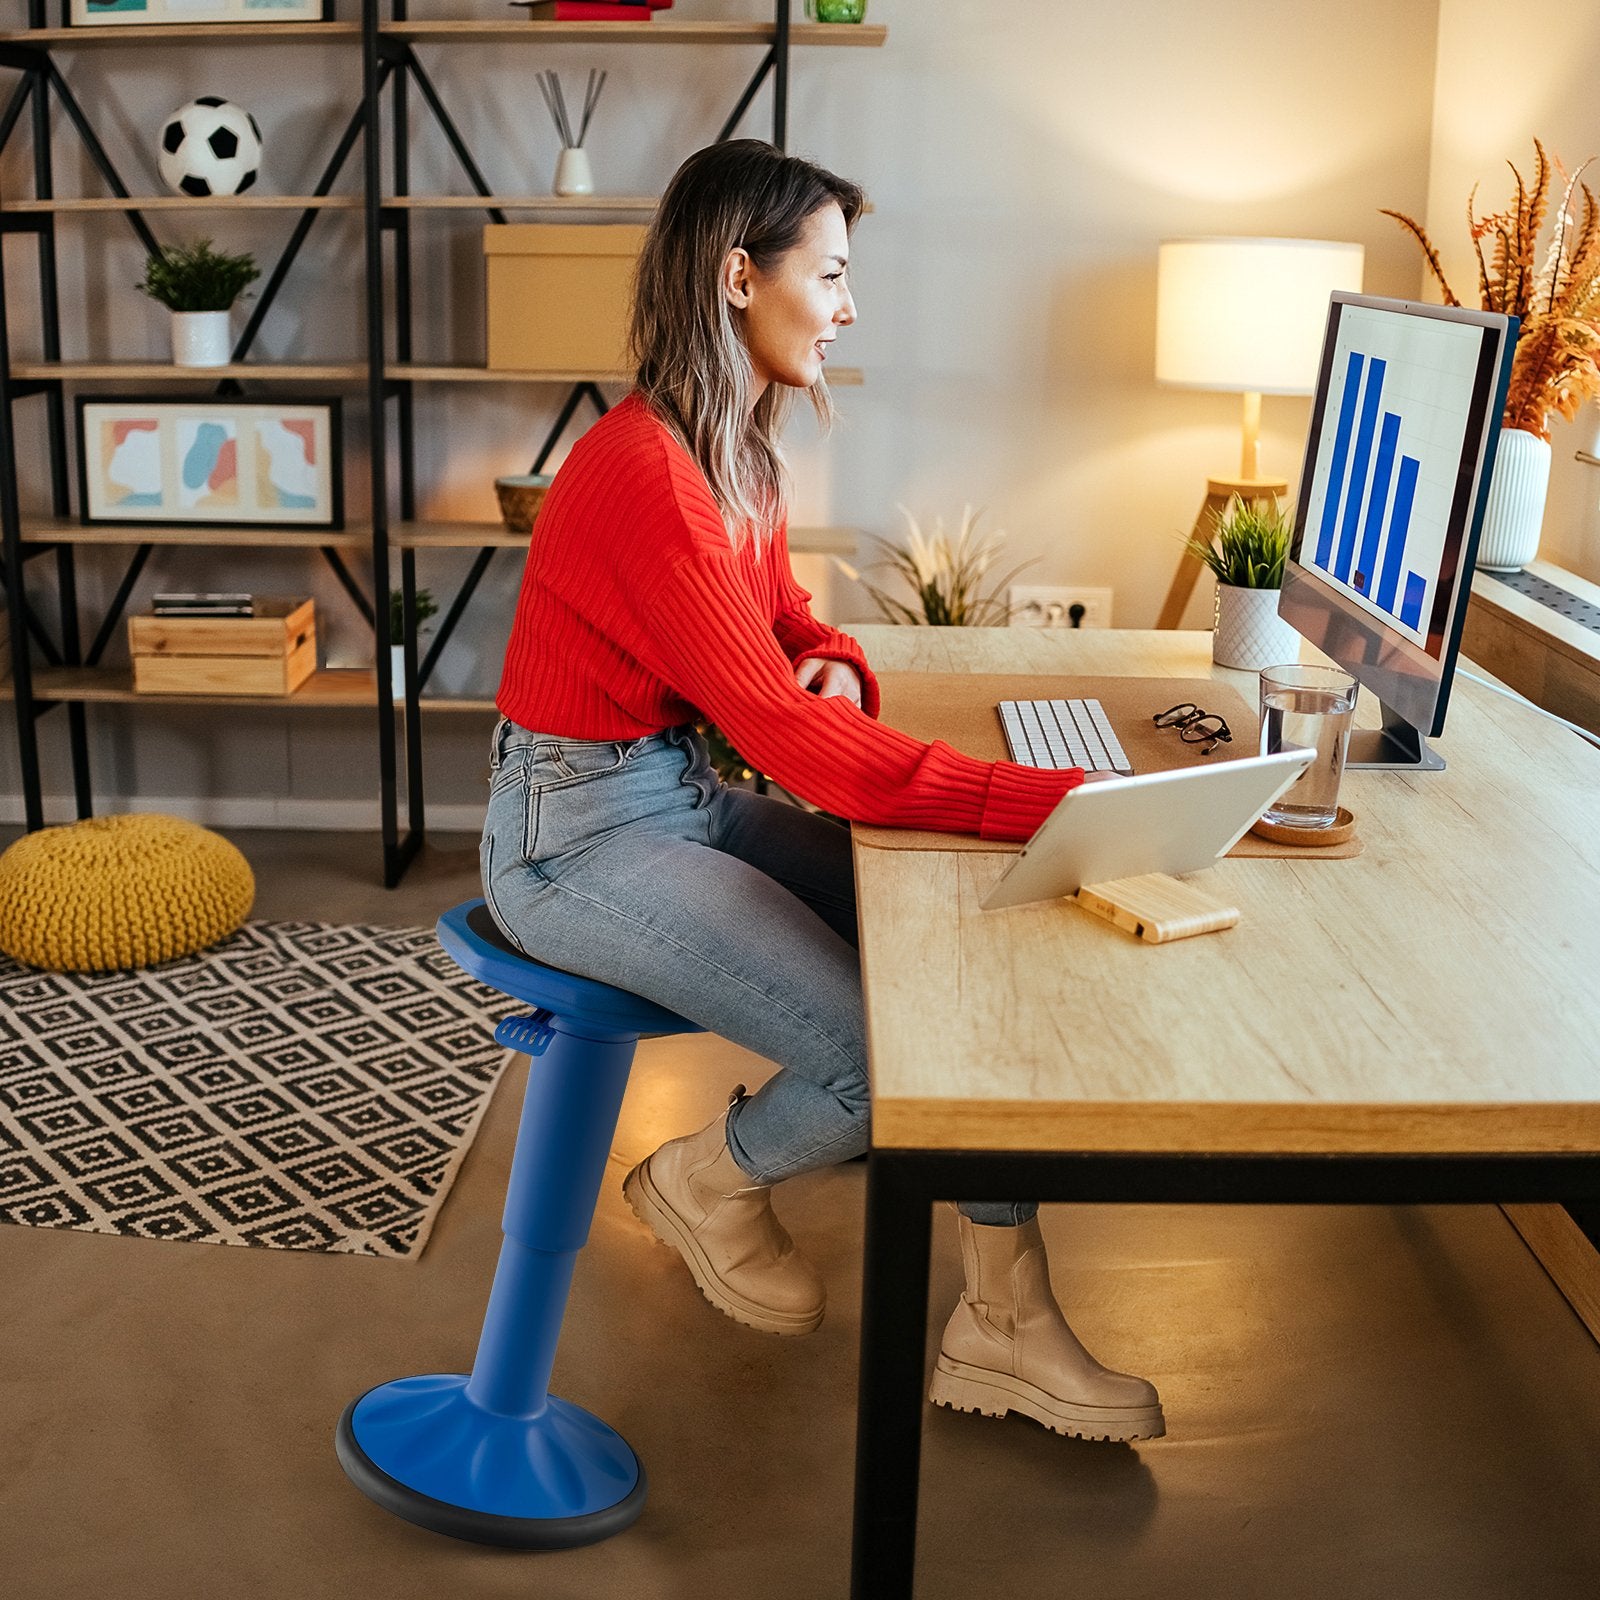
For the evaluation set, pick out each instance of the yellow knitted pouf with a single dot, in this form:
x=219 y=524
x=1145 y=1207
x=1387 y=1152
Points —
x=115 y=892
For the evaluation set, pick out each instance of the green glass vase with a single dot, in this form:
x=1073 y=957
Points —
x=836 y=10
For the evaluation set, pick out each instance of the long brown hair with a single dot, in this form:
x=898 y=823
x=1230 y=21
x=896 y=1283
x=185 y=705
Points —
x=694 y=369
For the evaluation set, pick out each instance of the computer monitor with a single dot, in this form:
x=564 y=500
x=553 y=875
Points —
x=1397 y=466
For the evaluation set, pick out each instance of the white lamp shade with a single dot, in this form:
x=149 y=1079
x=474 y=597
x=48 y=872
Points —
x=1247 y=315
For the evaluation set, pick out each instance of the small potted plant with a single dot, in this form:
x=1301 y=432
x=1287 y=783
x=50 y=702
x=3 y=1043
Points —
x=198 y=285
x=422 y=610
x=1246 y=553
x=944 y=574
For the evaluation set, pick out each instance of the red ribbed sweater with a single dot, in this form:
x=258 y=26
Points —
x=636 y=614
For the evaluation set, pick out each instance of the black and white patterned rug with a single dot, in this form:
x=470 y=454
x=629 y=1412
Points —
x=301 y=1086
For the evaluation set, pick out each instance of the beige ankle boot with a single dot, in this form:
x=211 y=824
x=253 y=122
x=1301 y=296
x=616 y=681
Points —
x=1007 y=1347
x=695 y=1197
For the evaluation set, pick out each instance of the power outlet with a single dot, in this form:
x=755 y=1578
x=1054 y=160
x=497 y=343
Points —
x=1053 y=606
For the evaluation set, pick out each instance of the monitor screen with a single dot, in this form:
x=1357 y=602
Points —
x=1397 y=464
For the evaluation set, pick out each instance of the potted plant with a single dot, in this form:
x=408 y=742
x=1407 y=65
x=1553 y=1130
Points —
x=422 y=610
x=198 y=285
x=944 y=574
x=1555 y=290
x=1246 y=553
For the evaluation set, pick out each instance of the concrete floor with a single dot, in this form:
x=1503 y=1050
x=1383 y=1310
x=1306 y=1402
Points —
x=1362 y=1402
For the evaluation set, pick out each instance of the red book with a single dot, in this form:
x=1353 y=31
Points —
x=589 y=10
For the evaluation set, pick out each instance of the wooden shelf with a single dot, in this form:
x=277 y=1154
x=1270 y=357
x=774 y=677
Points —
x=331 y=689
x=823 y=541
x=184 y=202
x=632 y=204
x=63 y=530
x=495 y=535
x=801 y=34
x=166 y=372
x=188 y=33
x=181 y=202
x=419 y=372
x=341 y=372
x=353 y=536
x=455 y=536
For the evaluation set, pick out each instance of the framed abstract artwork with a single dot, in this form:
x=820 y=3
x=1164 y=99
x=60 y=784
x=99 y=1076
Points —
x=222 y=463
x=132 y=13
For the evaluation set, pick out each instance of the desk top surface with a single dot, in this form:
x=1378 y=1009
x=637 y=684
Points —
x=1439 y=992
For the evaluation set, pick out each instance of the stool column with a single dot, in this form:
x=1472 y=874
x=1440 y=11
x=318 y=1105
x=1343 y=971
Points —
x=569 y=1117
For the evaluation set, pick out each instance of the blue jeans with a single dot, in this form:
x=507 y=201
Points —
x=630 y=862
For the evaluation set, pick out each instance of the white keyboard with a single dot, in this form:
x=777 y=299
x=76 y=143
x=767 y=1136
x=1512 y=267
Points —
x=1062 y=733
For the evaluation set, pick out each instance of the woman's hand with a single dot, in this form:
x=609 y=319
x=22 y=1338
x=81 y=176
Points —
x=824 y=678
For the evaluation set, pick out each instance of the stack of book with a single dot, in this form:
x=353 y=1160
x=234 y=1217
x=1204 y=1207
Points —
x=205 y=604
x=591 y=10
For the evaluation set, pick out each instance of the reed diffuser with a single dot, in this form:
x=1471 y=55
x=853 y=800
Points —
x=573 y=175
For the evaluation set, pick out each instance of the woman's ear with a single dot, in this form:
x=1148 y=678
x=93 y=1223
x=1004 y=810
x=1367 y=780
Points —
x=736 y=278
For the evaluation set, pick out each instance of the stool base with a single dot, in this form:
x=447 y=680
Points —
x=423 y=1451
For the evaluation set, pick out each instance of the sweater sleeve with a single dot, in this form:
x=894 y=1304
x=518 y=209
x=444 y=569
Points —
x=802 y=636
x=711 y=643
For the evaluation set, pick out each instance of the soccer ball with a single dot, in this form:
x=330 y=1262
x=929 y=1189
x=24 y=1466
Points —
x=210 y=146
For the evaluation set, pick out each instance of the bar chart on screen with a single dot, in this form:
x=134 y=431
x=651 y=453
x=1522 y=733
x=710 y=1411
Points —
x=1397 y=413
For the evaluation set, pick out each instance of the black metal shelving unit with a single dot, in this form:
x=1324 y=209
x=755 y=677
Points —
x=392 y=69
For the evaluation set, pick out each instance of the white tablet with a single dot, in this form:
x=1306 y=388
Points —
x=1176 y=821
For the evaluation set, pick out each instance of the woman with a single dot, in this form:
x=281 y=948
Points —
x=657 y=590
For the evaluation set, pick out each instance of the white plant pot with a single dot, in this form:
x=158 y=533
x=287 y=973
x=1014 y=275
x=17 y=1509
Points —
x=572 y=172
x=1514 y=515
x=201 y=339
x=1250 y=633
x=397 y=672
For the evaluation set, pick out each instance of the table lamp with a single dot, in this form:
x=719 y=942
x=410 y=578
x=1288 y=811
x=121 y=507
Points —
x=1243 y=316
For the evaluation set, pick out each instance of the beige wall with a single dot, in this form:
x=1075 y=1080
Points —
x=1024 y=160
x=1490 y=103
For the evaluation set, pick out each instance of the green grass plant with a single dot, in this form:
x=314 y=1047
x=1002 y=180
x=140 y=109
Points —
x=1248 y=545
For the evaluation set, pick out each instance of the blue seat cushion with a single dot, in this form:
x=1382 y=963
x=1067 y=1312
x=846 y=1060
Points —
x=475 y=943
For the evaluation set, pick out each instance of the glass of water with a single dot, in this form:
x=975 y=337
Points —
x=1312 y=708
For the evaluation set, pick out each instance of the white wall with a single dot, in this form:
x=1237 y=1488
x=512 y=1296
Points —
x=1490 y=103
x=1024 y=160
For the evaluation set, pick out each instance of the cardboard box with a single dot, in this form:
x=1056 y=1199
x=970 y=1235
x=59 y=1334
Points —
x=558 y=294
x=271 y=652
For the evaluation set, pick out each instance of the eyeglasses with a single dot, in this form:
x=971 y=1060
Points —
x=1195 y=726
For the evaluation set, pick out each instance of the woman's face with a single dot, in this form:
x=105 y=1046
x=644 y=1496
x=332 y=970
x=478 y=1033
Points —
x=793 y=313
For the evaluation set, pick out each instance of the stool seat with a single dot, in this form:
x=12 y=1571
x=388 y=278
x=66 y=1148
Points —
x=474 y=941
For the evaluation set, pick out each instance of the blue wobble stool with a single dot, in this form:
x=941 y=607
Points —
x=493 y=1456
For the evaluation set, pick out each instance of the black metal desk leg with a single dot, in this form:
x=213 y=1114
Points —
x=894 y=1337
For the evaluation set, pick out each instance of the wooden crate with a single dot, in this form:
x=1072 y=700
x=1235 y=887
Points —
x=558 y=294
x=271 y=652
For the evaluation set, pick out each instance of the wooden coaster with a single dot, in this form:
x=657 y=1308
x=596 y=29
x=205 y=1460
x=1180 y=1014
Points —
x=1343 y=826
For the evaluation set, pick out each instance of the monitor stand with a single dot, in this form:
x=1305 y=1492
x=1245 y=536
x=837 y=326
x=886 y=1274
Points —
x=1395 y=747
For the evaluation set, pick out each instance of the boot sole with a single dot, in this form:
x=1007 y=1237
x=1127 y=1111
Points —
x=965 y=1388
x=647 y=1204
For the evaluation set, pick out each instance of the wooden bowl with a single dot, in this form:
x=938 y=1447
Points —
x=520 y=499
x=1343 y=826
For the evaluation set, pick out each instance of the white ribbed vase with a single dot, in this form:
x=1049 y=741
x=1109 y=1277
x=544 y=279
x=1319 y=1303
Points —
x=1515 y=512
x=1250 y=633
x=200 y=339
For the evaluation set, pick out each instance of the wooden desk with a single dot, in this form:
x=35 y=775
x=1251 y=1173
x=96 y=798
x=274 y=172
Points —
x=1427 y=1015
